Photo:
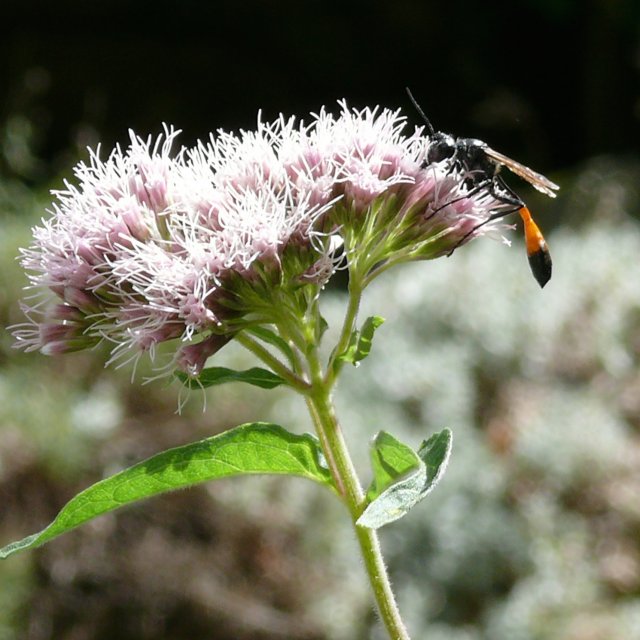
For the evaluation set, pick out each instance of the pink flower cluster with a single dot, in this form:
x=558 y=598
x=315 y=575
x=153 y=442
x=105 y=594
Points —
x=144 y=247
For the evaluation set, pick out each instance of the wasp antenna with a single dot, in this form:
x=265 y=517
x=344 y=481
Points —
x=421 y=112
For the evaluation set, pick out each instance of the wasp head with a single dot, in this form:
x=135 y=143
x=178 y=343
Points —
x=441 y=147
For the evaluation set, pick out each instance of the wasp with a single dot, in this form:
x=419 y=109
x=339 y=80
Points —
x=481 y=165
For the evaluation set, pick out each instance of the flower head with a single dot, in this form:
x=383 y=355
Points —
x=150 y=245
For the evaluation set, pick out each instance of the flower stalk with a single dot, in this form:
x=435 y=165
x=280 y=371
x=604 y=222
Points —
x=273 y=363
x=318 y=396
x=348 y=326
x=345 y=477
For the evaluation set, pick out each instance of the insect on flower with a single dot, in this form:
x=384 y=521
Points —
x=481 y=165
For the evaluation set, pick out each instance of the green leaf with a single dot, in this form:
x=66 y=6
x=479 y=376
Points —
x=410 y=486
x=366 y=337
x=390 y=459
x=272 y=338
x=251 y=448
x=219 y=375
x=323 y=325
x=434 y=452
x=360 y=342
x=350 y=352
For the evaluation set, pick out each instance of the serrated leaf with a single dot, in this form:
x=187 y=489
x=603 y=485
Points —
x=212 y=376
x=253 y=448
x=390 y=459
x=403 y=494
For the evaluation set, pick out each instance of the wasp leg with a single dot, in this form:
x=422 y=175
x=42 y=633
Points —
x=479 y=187
x=507 y=197
x=491 y=184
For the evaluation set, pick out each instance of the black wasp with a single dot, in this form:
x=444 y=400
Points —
x=482 y=165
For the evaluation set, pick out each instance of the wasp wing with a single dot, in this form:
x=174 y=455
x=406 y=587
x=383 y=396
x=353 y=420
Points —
x=535 y=179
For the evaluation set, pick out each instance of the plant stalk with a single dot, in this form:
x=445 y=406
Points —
x=346 y=480
x=271 y=361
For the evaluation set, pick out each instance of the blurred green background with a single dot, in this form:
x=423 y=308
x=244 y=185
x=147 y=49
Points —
x=534 y=532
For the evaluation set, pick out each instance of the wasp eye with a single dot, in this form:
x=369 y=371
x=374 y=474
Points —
x=441 y=147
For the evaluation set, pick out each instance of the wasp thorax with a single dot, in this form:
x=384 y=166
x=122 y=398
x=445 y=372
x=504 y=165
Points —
x=472 y=153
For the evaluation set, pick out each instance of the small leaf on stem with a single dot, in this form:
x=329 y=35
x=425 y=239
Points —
x=411 y=484
x=390 y=459
x=366 y=337
x=361 y=341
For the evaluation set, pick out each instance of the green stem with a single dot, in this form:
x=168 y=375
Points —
x=355 y=296
x=317 y=394
x=272 y=362
x=348 y=485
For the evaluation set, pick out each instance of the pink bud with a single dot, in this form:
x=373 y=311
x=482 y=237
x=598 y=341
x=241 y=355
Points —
x=192 y=358
x=81 y=299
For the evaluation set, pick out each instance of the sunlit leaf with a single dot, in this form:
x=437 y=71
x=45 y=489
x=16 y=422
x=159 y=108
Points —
x=365 y=341
x=412 y=486
x=255 y=448
x=360 y=342
x=390 y=460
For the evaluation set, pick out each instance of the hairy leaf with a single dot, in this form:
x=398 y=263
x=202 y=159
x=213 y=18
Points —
x=411 y=487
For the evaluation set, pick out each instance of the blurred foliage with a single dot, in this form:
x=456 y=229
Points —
x=532 y=534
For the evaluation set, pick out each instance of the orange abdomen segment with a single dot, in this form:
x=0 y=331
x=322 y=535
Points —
x=537 y=250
